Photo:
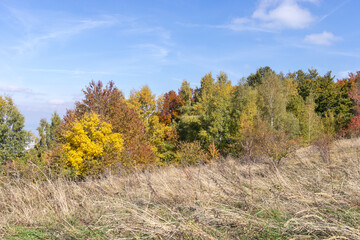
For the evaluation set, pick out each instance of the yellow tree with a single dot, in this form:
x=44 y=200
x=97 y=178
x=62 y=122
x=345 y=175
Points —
x=245 y=114
x=109 y=102
x=161 y=136
x=90 y=146
x=144 y=102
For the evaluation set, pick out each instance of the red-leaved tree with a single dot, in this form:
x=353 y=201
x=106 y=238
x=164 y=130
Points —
x=353 y=127
x=170 y=107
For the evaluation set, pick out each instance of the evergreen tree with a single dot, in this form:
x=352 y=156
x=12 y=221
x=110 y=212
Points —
x=54 y=127
x=188 y=125
x=258 y=77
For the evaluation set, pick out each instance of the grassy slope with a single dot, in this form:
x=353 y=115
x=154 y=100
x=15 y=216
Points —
x=303 y=198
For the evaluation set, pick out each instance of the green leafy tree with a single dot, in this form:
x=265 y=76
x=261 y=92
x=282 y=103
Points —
x=274 y=95
x=13 y=138
x=244 y=115
x=214 y=108
x=310 y=122
x=48 y=134
x=43 y=142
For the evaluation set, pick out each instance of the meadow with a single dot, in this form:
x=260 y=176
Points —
x=302 y=198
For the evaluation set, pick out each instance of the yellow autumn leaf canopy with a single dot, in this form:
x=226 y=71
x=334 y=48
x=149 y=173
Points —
x=90 y=142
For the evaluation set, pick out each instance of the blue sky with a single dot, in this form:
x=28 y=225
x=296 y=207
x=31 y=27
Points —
x=50 y=50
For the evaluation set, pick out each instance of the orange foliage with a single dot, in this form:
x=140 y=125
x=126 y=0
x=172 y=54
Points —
x=214 y=152
x=109 y=102
x=169 y=110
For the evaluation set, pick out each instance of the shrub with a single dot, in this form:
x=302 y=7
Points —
x=191 y=153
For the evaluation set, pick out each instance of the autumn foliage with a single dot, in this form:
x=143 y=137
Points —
x=170 y=107
x=110 y=104
x=91 y=146
x=264 y=117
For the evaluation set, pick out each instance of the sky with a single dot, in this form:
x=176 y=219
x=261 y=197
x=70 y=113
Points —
x=50 y=50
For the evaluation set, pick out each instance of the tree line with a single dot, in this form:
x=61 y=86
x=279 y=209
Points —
x=267 y=114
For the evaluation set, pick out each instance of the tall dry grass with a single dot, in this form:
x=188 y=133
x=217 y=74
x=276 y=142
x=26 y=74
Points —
x=304 y=198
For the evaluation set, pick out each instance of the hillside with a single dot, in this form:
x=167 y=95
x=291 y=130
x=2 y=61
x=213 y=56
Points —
x=303 y=198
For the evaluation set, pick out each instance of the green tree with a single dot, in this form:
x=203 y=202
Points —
x=304 y=81
x=188 y=124
x=13 y=138
x=346 y=105
x=310 y=122
x=48 y=134
x=214 y=108
x=244 y=114
x=274 y=94
x=56 y=121
x=43 y=142
x=258 y=77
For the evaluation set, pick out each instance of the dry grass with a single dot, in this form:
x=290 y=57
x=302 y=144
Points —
x=302 y=199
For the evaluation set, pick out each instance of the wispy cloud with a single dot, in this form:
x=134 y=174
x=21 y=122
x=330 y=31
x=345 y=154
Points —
x=245 y=24
x=153 y=50
x=61 y=28
x=66 y=71
x=333 y=11
x=14 y=89
x=324 y=38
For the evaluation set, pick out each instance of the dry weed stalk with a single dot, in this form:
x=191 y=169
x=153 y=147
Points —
x=218 y=201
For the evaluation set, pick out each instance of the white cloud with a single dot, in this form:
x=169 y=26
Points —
x=283 y=14
x=324 y=38
x=274 y=15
